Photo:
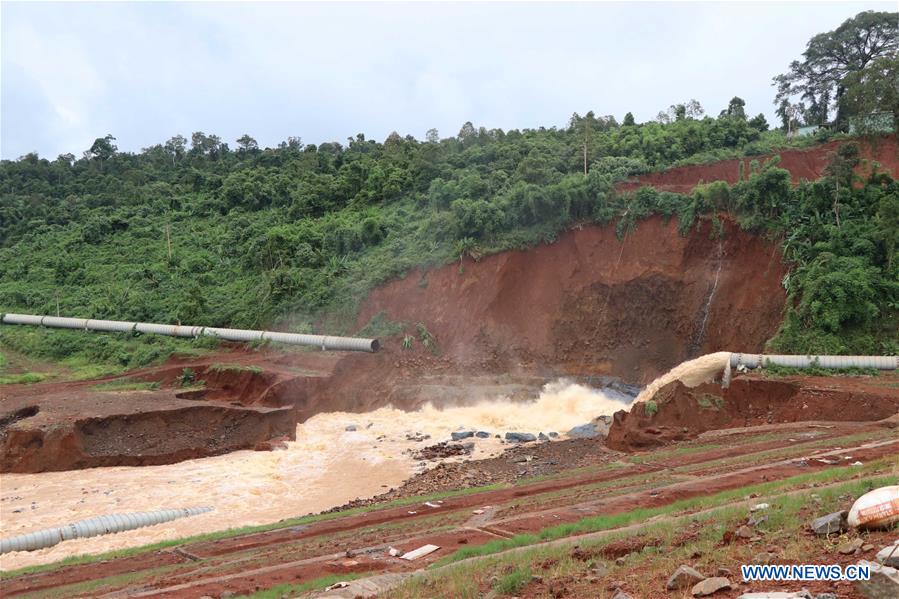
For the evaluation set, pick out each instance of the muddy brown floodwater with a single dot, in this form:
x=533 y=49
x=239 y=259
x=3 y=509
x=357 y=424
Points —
x=325 y=467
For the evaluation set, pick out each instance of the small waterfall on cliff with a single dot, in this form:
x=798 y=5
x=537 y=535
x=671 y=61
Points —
x=696 y=344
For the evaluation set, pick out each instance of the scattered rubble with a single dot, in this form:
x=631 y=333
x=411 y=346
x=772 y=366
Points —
x=420 y=552
x=710 y=586
x=851 y=547
x=520 y=437
x=883 y=583
x=684 y=577
x=889 y=555
x=830 y=524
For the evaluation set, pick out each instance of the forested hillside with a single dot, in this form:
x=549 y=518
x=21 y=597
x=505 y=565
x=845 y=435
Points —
x=200 y=232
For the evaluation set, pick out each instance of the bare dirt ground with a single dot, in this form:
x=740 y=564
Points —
x=534 y=486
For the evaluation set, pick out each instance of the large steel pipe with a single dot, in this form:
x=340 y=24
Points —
x=92 y=527
x=323 y=341
x=759 y=360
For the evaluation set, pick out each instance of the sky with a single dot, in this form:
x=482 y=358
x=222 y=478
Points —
x=144 y=72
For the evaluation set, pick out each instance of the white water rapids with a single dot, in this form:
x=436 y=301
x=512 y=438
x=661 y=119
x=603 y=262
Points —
x=325 y=467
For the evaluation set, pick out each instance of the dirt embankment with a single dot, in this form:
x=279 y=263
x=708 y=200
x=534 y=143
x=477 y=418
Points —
x=588 y=304
x=678 y=412
x=805 y=164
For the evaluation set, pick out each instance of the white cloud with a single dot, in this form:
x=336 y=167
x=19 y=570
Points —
x=146 y=71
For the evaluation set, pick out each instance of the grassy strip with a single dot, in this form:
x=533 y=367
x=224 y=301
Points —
x=610 y=521
x=126 y=385
x=673 y=453
x=245 y=530
x=787 y=516
x=220 y=367
x=788 y=451
x=23 y=378
x=774 y=371
x=292 y=590
x=529 y=480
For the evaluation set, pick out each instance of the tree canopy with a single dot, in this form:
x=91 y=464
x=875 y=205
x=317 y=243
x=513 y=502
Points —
x=820 y=79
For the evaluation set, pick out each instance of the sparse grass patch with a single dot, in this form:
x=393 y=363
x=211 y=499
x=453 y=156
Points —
x=380 y=327
x=221 y=367
x=514 y=581
x=707 y=401
x=22 y=378
x=650 y=408
x=773 y=371
x=126 y=385
x=609 y=521
x=292 y=590
x=787 y=516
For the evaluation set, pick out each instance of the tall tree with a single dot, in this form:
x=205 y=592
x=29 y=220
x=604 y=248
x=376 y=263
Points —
x=246 y=144
x=820 y=77
x=874 y=89
x=102 y=149
x=736 y=109
x=176 y=146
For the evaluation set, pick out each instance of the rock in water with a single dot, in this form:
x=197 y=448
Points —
x=683 y=577
x=584 y=431
x=459 y=435
x=520 y=437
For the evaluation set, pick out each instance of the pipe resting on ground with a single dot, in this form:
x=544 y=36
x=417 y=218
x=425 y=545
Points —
x=243 y=335
x=93 y=527
x=759 y=360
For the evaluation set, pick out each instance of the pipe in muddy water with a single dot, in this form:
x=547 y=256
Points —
x=759 y=360
x=92 y=527
x=326 y=342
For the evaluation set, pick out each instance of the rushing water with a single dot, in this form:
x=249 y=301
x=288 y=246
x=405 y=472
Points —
x=691 y=373
x=326 y=466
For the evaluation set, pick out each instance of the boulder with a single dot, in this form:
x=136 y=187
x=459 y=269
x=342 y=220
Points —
x=584 y=431
x=710 y=586
x=459 y=435
x=520 y=437
x=830 y=524
x=745 y=532
x=542 y=437
x=889 y=555
x=682 y=578
x=553 y=435
x=850 y=547
x=883 y=583
x=482 y=435
x=351 y=428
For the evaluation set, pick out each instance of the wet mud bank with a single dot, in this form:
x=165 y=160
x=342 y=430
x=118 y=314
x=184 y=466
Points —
x=678 y=412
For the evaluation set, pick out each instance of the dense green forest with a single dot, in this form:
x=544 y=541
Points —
x=295 y=236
